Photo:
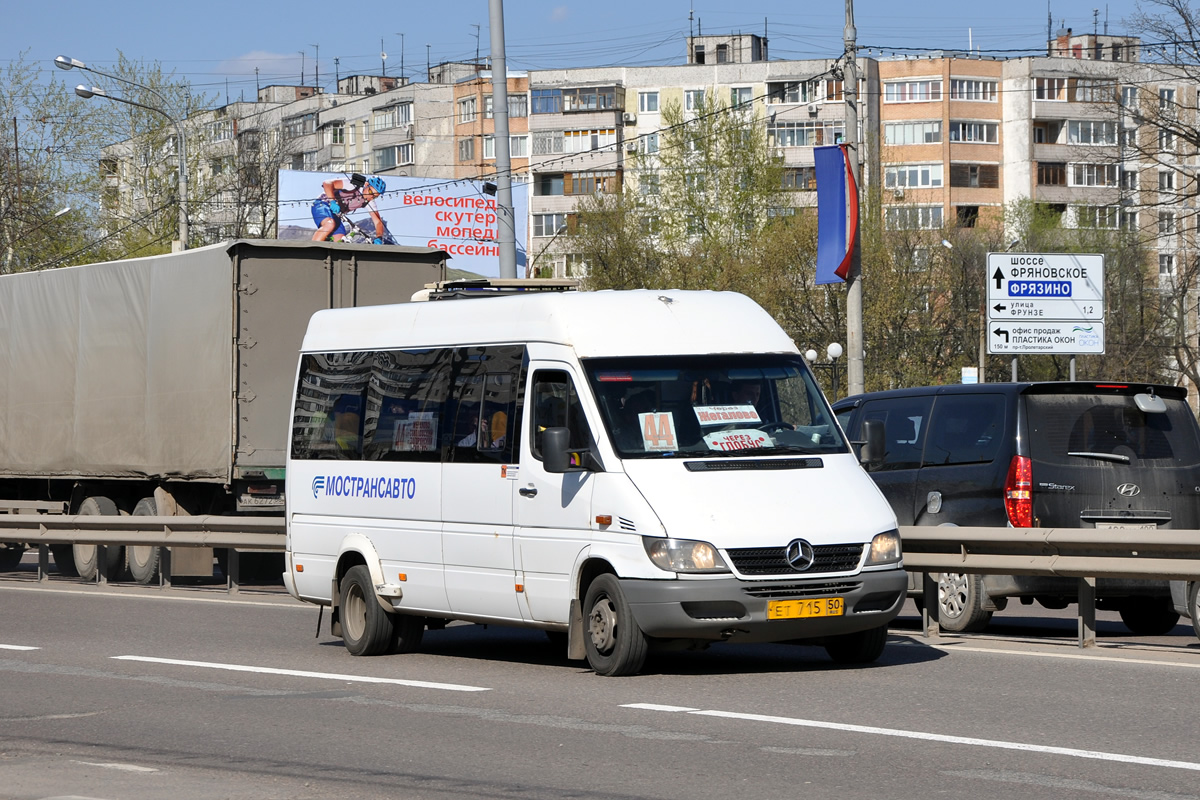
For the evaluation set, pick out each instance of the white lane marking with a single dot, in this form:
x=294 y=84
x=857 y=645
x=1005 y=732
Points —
x=1074 y=656
x=285 y=601
x=17 y=647
x=937 y=737
x=122 y=767
x=656 y=707
x=298 y=673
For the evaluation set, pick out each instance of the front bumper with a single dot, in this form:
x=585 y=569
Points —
x=732 y=609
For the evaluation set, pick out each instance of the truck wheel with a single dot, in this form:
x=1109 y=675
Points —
x=614 y=643
x=367 y=629
x=1149 y=616
x=64 y=559
x=10 y=556
x=87 y=555
x=860 y=647
x=1193 y=606
x=407 y=632
x=143 y=559
x=960 y=603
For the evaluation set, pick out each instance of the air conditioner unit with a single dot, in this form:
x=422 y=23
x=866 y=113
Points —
x=898 y=194
x=631 y=146
x=813 y=108
x=629 y=119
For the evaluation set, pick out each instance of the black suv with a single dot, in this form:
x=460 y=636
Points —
x=1054 y=455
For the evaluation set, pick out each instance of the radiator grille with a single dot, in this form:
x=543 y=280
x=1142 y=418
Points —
x=796 y=590
x=773 y=560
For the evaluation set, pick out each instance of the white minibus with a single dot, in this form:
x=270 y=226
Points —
x=632 y=470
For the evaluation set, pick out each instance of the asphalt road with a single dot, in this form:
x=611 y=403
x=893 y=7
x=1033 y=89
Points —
x=136 y=693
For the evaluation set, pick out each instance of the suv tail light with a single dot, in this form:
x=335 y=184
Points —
x=1018 y=492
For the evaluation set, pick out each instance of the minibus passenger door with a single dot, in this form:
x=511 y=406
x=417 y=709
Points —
x=552 y=510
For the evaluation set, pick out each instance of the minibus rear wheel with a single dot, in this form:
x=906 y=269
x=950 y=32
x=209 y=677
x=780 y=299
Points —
x=367 y=629
x=614 y=643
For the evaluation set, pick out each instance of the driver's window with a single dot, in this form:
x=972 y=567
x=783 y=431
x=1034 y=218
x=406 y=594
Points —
x=556 y=405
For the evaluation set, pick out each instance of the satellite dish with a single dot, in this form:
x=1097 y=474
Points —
x=383 y=56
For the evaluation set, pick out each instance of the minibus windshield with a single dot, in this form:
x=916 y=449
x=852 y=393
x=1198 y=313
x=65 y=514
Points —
x=735 y=405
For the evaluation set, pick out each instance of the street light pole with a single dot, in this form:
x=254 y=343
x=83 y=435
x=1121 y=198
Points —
x=62 y=62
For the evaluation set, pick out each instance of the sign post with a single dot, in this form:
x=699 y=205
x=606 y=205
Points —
x=1045 y=303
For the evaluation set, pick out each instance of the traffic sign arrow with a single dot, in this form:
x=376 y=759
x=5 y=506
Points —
x=999 y=307
x=1001 y=332
x=998 y=277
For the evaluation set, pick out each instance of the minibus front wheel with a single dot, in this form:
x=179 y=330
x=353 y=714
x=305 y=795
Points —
x=367 y=630
x=614 y=643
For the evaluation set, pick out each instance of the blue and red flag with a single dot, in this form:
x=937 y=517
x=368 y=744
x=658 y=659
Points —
x=837 y=212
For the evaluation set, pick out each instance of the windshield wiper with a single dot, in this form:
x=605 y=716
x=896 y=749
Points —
x=1117 y=457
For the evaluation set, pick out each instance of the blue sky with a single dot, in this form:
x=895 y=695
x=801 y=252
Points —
x=219 y=42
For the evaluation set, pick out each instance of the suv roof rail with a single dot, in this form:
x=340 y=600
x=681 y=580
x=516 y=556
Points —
x=492 y=287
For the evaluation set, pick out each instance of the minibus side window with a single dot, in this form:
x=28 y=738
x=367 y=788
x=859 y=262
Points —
x=406 y=405
x=555 y=405
x=331 y=400
x=485 y=381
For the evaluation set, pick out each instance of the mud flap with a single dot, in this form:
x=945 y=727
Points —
x=575 y=648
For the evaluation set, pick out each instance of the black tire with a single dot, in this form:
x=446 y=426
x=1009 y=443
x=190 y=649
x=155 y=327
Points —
x=861 y=647
x=143 y=559
x=407 y=633
x=10 y=556
x=64 y=559
x=1149 y=616
x=1193 y=600
x=615 y=644
x=960 y=603
x=87 y=555
x=367 y=629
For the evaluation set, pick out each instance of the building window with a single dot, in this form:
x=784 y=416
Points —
x=546 y=101
x=518 y=146
x=834 y=91
x=693 y=99
x=809 y=133
x=545 y=185
x=335 y=134
x=384 y=119
x=912 y=176
x=1166 y=100
x=1050 y=89
x=300 y=126
x=1091 y=132
x=383 y=158
x=1105 y=217
x=1166 y=223
x=740 y=96
x=647 y=102
x=1129 y=96
x=592 y=98
x=1166 y=140
x=587 y=141
x=1166 y=180
x=912 y=91
x=648 y=143
x=1093 y=175
x=1129 y=179
x=982 y=132
x=1127 y=137
x=973 y=90
x=547 y=143
x=1051 y=174
x=1087 y=91
x=722 y=54
x=1166 y=264
x=968 y=216
x=467 y=110
x=912 y=132
x=803 y=179
x=789 y=92
x=466 y=149
x=975 y=176
x=912 y=217
x=548 y=224
x=518 y=106
x=1129 y=220
x=592 y=182
x=405 y=153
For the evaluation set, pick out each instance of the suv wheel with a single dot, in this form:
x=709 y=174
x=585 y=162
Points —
x=960 y=603
x=1149 y=616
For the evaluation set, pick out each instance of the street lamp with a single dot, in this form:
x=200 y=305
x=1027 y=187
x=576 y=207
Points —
x=62 y=62
x=833 y=352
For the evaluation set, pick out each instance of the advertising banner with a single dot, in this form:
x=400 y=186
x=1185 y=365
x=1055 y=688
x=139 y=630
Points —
x=458 y=216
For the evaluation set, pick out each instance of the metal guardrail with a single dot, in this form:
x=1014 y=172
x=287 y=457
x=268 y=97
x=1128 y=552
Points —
x=1082 y=553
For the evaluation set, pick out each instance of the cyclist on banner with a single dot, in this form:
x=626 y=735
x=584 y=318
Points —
x=328 y=209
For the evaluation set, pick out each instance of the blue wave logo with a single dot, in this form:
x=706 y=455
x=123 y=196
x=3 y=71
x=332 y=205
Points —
x=1082 y=329
x=318 y=485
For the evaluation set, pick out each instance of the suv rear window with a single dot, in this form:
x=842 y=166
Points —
x=1079 y=429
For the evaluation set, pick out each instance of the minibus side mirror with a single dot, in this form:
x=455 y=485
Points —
x=558 y=456
x=871 y=454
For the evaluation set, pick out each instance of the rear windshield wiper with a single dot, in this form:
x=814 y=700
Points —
x=1120 y=459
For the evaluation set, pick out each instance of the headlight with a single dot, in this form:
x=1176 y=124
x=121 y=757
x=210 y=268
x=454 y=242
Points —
x=682 y=555
x=885 y=549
